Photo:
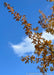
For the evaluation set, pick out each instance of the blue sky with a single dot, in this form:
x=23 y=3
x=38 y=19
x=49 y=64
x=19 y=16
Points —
x=12 y=35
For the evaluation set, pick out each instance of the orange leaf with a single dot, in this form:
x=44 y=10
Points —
x=35 y=29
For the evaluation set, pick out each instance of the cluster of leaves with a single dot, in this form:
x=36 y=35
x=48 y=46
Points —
x=46 y=50
x=18 y=17
x=47 y=23
x=43 y=48
x=51 y=0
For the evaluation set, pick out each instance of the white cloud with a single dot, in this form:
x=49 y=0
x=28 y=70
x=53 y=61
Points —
x=47 y=36
x=26 y=46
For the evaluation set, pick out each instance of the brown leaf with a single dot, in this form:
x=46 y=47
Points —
x=35 y=29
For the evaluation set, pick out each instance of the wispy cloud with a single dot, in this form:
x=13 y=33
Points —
x=26 y=46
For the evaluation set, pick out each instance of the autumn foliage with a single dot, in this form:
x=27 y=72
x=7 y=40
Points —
x=44 y=49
